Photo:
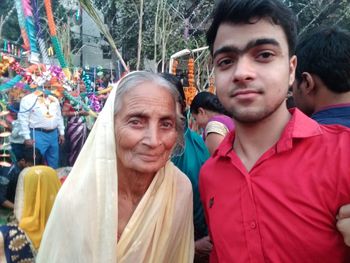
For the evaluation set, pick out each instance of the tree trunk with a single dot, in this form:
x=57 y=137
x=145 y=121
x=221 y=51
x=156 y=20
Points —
x=139 y=47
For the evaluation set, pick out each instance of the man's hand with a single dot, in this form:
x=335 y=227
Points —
x=28 y=143
x=203 y=247
x=61 y=139
x=343 y=223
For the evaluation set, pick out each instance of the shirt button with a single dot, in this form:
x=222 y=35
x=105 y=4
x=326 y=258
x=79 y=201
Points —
x=253 y=225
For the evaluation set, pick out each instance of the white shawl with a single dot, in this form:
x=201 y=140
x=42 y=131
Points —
x=82 y=227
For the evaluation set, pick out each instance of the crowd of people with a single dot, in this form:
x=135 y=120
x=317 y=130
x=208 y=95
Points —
x=266 y=182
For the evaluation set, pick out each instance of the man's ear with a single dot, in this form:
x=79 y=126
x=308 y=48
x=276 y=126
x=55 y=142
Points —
x=308 y=83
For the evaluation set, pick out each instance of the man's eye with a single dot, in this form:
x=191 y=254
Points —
x=265 y=55
x=224 y=62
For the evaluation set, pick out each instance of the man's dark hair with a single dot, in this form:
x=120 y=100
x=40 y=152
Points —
x=249 y=12
x=325 y=52
x=207 y=101
x=27 y=155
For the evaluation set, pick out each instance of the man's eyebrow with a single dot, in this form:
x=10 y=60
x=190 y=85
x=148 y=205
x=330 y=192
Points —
x=251 y=44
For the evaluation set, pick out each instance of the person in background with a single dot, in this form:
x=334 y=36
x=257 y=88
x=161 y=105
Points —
x=36 y=192
x=8 y=185
x=272 y=190
x=77 y=131
x=41 y=122
x=189 y=162
x=212 y=117
x=16 y=140
x=124 y=200
x=322 y=86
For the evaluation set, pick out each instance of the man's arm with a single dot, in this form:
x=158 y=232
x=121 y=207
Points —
x=343 y=223
x=23 y=119
x=8 y=204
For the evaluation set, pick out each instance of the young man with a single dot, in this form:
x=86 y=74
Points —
x=322 y=86
x=272 y=190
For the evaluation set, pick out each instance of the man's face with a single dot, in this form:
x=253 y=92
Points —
x=252 y=69
x=145 y=129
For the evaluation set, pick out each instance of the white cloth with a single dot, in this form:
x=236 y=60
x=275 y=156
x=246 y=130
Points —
x=15 y=136
x=82 y=227
x=40 y=112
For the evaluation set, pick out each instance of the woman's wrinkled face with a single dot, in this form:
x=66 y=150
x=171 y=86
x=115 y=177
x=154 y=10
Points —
x=145 y=129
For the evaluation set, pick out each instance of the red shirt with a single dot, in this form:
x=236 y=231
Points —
x=284 y=209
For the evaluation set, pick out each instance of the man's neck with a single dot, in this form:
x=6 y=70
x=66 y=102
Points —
x=253 y=140
x=327 y=99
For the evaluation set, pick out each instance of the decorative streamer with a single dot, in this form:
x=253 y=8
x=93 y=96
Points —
x=9 y=84
x=29 y=25
x=55 y=43
x=59 y=54
x=21 y=23
x=39 y=31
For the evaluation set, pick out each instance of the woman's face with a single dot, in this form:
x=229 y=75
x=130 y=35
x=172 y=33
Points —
x=145 y=129
x=201 y=118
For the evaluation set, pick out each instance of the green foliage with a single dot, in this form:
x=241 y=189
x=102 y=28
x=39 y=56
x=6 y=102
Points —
x=315 y=13
x=10 y=28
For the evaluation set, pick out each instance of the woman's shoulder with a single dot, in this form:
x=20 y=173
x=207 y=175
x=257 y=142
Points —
x=182 y=180
x=15 y=244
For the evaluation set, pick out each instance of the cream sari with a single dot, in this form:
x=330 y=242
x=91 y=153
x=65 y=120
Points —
x=83 y=223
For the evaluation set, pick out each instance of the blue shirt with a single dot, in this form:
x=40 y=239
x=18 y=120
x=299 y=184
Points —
x=335 y=114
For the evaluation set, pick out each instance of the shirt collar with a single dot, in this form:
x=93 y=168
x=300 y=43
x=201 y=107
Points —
x=334 y=106
x=299 y=126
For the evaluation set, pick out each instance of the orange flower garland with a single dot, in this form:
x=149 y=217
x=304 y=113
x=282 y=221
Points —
x=190 y=91
x=211 y=87
x=174 y=67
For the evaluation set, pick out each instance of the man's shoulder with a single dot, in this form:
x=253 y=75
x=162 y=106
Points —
x=335 y=130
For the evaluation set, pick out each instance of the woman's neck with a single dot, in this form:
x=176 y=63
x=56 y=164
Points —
x=133 y=185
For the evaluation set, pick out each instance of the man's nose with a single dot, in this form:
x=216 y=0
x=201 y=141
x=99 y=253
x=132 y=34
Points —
x=244 y=70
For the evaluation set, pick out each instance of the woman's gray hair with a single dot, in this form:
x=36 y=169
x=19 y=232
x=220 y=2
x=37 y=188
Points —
x=137 y=78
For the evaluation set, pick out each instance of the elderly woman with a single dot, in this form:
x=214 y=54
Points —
x=35 y=194
x=124 y=201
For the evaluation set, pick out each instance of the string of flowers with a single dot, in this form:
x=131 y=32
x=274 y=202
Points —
x=191 y=90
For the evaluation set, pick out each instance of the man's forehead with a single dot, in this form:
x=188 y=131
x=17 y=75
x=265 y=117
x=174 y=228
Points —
x=239 y=35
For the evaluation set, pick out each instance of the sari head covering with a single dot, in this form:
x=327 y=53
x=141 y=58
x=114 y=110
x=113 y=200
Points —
x=83 y=224
x=35 y=194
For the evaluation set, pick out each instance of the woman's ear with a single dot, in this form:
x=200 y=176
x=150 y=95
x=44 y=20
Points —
x=201 y=111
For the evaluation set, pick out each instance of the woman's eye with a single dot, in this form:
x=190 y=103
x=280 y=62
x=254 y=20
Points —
x=135 y=122
x=167 y=124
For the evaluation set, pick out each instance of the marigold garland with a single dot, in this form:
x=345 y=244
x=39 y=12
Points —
x=191 y=90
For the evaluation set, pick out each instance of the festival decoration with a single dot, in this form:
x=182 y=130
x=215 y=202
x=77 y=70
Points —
x=40 y=35
x=21 y=23
x=174 y=67
x=4 y=137
x=190 y=91
x=29 y=25
x=211 y=87
x=55 y=43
